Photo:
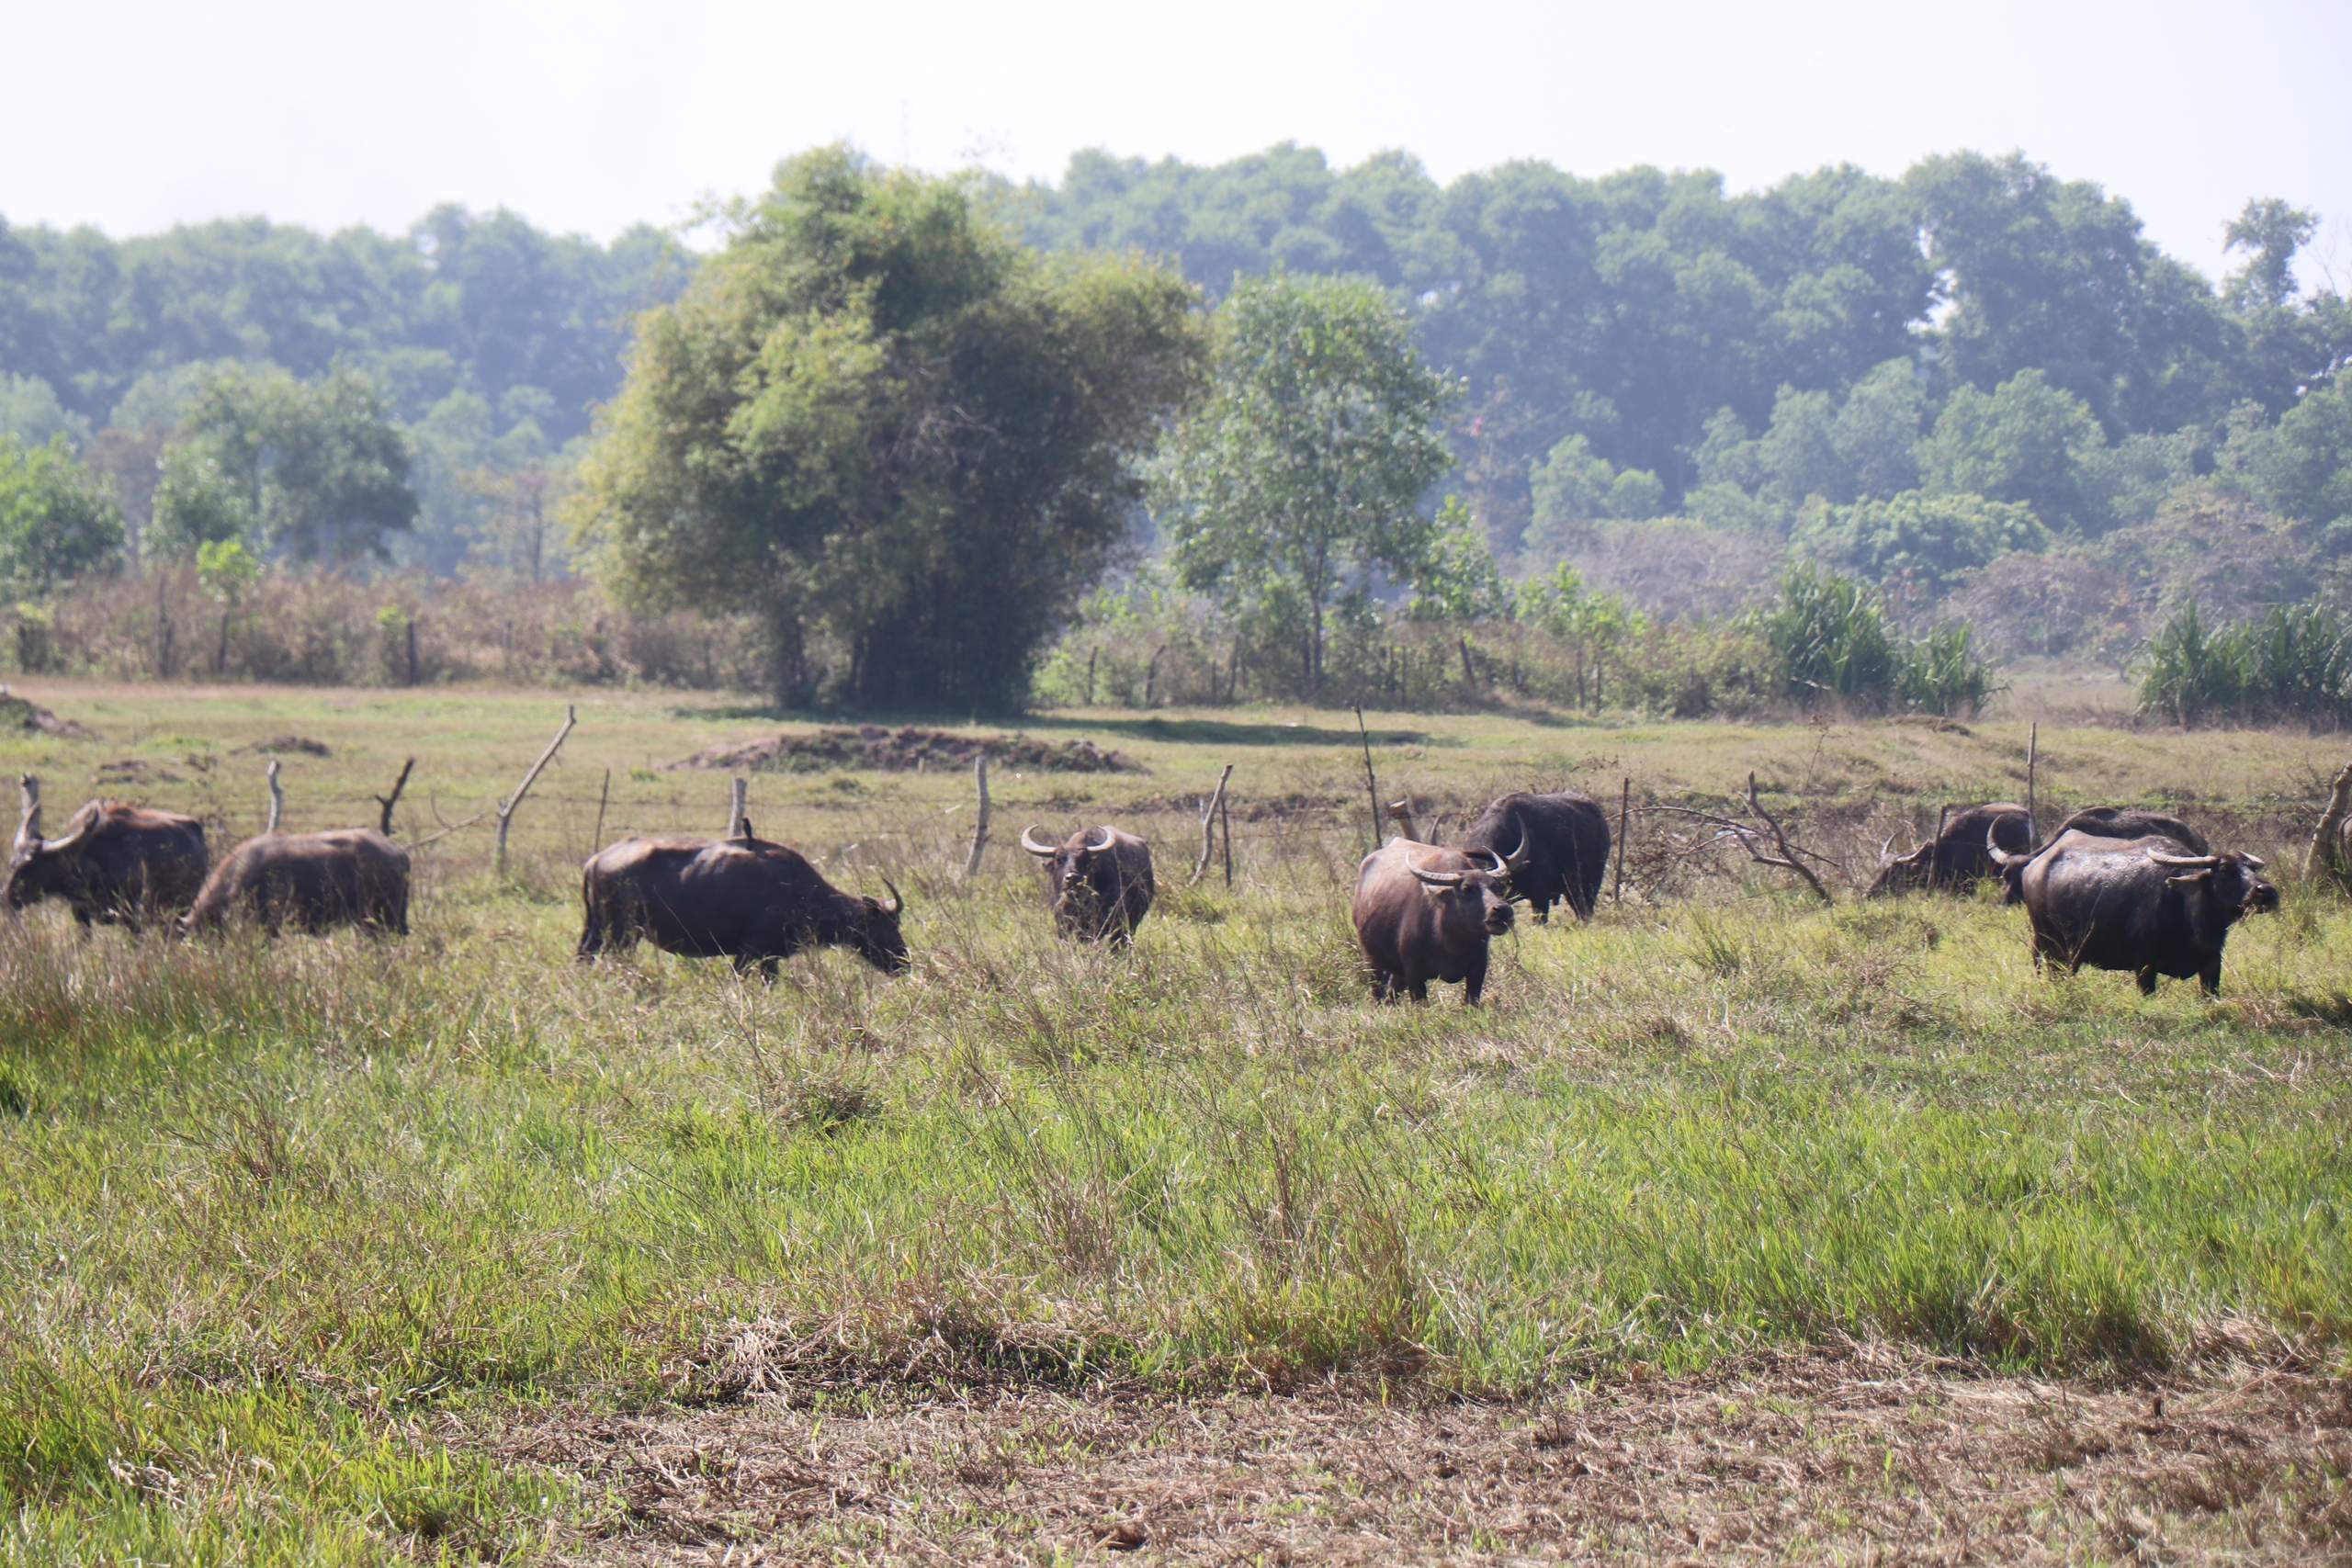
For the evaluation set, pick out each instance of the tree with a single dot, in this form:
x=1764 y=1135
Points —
x=316 y=470
x=1919 y=539
x=878 y=415
x=2027 y=441
x=57 y=520
x=1458 y=579
x=1300 y=476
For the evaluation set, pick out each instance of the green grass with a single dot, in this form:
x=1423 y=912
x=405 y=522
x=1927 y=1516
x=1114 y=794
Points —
x=289 y=1229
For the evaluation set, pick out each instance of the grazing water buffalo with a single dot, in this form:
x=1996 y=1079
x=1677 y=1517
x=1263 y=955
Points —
x=2140 y=905
x=1100 y=882
x=2102 y=822
x=1564 y=853
x=1955 y=860
x=121 y=864
x=313 y=882
x=1424 y=913
x=742 y=898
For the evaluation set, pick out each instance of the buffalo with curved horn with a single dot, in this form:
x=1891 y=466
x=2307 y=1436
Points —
x=1424 y=913
x=2138 y=905
x=115 y=864
x=1563 y=850
x=1099 y=882
x=741 y=898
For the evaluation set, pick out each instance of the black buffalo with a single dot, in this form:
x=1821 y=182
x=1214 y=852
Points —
x=117 y=865
x=1424 y=913
x=2141 y=905
x=1099 y=883
x=1564 y=850
x=741 y=898
x=313 y=882
x=2103 y=823
x=1955 y=859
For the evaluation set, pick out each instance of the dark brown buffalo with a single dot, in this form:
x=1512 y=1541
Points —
x=742 y=898
x=1424 y=913
x=1563 y=848
x=1097 y=882
x=313 y=882
x=2103 y=823
x=1955 y=860
x=127 y=865
x=2141 y=905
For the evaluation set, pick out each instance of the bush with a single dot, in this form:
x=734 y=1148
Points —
x=2293 y=663
x=1835 y=640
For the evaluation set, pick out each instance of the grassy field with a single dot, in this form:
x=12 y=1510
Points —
x=347 y=1250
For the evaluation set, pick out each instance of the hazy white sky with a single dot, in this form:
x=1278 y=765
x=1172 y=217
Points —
x=136 y=114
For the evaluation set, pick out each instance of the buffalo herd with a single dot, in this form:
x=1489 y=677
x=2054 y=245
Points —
x=2113 y=888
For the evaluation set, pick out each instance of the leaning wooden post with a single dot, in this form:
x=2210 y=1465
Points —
x=979 y=828
x=1400 y=812
x=2032 y=744
x=1225 y=830
x=1625 y=812
x=1935 y=851
x=2325 y=859
x=506 y=806
x=739 y=799
x=277 y=799
x=384 y=823
x=1371 y=785
x=1208 y=827
x=28 y=829
x=596 y=841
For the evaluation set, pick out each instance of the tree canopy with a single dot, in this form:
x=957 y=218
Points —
x=877 y=417
x=1302 y=473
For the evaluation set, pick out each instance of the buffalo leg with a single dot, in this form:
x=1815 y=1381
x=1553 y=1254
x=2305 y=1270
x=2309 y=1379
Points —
x=1541 y=908
x=2147 y=982
x=2210 y=978
x=591 y=939
x=1418 y=989
x=1474 y=985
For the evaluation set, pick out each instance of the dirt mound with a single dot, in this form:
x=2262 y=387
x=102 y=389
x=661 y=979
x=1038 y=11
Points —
x=132 y=770
x=905 y=750
x=17 y=714
x=283 y=745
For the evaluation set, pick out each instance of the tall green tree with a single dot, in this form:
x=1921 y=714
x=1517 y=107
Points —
x=313 y=470
x=877 y=414
x=57 y=519
x=1302 y=473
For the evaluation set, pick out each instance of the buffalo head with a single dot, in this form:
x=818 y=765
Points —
x=1467 y=898
x=2227 y=879
x=875 y=934
x=35 y=863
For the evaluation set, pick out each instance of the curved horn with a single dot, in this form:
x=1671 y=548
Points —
x=1502 y=866
x=2254 y=863
x=1036 y=846
x=1518 y=857
x=2184 y=859
x=1997 y=854
x=83 y=824
x=896 y=904
x=1885 y=851
x=1436 y=878
x=1094 y=848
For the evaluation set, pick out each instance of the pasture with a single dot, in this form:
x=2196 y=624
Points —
x=1732 y=1225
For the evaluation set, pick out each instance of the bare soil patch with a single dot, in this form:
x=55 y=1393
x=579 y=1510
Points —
x=909 y=749
x=1817 y=1458
x=283 y=745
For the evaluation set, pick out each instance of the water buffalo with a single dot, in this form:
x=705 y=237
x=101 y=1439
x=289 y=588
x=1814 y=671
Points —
x=742 y=898
x=313 y=882
x=1099 y=883
x=1563 y=850
x=1955 y=859
x=127 y=865
x=2140 y=905
x=1424 y=913
x=2101 y=822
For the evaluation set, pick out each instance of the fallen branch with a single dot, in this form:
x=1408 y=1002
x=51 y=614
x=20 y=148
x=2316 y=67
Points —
x=506 y=806
x=420 y=843
x=387 y=801
x=1788 y=856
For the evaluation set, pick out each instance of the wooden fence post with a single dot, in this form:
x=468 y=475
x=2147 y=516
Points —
x=506 y=806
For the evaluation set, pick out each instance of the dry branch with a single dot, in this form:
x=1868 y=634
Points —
x=1787 y=856
x=1208 y=828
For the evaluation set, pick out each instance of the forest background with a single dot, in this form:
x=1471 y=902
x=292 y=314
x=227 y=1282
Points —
x=1708 y=452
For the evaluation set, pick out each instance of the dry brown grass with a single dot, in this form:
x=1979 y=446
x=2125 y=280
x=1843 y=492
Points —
x=1853 y=1458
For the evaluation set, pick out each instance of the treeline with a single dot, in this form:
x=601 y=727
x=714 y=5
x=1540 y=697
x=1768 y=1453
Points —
x=934 y=441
